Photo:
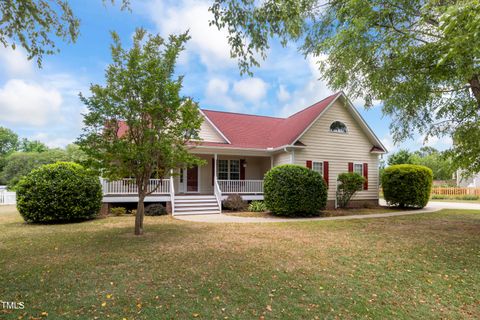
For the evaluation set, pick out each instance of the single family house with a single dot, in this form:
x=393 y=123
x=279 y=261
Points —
x=329 y=137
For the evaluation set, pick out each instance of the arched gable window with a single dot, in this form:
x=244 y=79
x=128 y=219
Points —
x=338 y=127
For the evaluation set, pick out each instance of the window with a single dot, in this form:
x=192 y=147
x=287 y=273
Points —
x=338 y=127
x=318 y=166
x=223 y=169
x=228 y=169
x=234 y=169
x=358 y=168
x=181 y=175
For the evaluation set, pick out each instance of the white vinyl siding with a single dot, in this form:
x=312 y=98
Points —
x=209 y=133
x=282 y=158
x=340 y=149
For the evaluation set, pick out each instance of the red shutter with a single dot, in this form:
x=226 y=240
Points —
x=242 y=169
x=350 y=167
x=309 y=164
x=365 y=175
x=325 y=172
x=213 y=169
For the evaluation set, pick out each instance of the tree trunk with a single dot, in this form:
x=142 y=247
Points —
x=475 y=87
x=140 y=213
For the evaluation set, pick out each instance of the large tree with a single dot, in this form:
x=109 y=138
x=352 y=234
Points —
x=37 y=25
x=138 y=124
x=420 y=58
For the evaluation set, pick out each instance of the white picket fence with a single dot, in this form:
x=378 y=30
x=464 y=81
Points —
x=7 y=197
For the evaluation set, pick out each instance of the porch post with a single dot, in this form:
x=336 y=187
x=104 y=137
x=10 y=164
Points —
x=215 y=167
x=271 y=162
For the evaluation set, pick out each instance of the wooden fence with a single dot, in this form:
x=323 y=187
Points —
x=455 y=191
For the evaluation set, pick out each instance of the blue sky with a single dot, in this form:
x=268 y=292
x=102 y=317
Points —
x=43 y=103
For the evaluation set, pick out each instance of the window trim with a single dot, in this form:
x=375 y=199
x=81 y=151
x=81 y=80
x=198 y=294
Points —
x=229 y=172
x=330 y=127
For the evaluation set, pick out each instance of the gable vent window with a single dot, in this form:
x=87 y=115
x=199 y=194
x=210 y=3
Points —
x=338 y=127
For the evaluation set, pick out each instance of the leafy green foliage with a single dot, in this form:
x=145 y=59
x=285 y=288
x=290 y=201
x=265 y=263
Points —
x=19 y=164
x=349 y=184
x=293 y=190
x=8 y=141
x=36 y=24
x=32 y=146
x=403 y=156
x=138 y=124
x=118 y=211
x=407 y=185
x=235 y=202
x=257 y=206
x=420 y=58
x=440 y=162
x=59 y=192
x=155 y=209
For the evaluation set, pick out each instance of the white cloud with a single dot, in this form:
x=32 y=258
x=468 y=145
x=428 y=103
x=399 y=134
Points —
x=15 y=62
x=29 y=103
x=313 y=91
x=283 y=94
x=207 y=41
x=251 y=89
x=51 y=140
x=218 y=94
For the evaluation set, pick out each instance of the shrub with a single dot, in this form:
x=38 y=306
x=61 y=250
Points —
x=118 y=211
x=350 y=183
x=293 y=190
x=407 y=185
x=59 y=192
x=155 y=209
x=257 y=206
x=439 y=197
x=235 y=202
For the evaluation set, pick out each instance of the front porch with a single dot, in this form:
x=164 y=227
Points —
x=221 y=176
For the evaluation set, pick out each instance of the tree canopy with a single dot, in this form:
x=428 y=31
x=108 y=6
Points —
x=420 y=58
x=138 y=124
x=440 y=162
x=38 y=24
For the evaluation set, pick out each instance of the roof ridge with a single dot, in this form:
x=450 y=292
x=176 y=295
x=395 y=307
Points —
x=313 y=105
x=244 y=114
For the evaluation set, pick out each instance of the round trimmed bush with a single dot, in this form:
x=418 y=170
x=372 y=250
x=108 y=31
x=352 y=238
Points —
x=293 y=190
x=59 y=192
x=407 y=185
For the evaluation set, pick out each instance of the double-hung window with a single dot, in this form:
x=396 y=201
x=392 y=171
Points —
x=358 y=168
x=229 y=169
x=318 y=166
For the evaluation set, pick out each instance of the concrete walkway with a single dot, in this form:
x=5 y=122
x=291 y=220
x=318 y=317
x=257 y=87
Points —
x=431 y=207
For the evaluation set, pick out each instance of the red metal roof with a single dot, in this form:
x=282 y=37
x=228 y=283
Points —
x=262 y=132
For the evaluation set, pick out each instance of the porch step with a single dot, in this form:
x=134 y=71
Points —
x=196 y=204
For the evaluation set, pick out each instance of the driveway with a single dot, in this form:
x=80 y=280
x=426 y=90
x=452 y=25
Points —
x=431 y=207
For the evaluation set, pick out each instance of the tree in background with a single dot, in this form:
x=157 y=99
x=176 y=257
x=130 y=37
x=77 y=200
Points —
x=19 y=164
x=37 y=24
x=32 y=146
x=8 y=141
x=440 y=163
x=141 y=96
x=403 y=156
x=421 y=58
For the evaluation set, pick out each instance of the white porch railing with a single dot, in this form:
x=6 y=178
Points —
x=218 y=193
x=7 y=197
x=241 y=186
x=129 y=186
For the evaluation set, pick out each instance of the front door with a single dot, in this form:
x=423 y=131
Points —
x=192 y=179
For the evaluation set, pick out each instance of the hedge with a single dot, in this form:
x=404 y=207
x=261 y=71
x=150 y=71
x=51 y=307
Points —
x=407 y=185
x=59 y=192
x=293 y=190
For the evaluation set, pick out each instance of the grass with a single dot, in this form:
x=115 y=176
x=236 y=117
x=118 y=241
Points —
x=420 y=266
x=325 y=213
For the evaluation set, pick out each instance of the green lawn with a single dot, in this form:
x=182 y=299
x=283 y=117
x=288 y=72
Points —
x=421 y=266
